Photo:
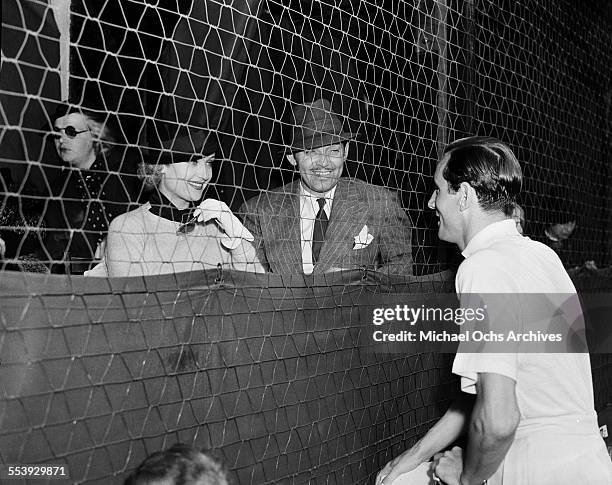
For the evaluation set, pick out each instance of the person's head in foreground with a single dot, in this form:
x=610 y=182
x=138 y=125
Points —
x=477 y=183
x=184 y=168
x=318 y=146
x=82 y=135
x=179 y=465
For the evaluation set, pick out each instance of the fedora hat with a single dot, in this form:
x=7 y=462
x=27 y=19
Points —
x=185 y=145
x=315 y=125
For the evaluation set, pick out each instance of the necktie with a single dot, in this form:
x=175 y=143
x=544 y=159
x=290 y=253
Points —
x=318 y=235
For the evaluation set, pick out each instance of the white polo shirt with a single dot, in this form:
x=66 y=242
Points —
x=557 y=433
x=500 y=260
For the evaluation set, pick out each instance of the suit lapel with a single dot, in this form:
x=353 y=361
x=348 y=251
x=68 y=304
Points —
x=285 y=225
x=349 y=214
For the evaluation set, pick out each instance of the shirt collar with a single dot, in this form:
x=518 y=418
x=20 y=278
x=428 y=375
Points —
x=329 y=196
x=485 y=237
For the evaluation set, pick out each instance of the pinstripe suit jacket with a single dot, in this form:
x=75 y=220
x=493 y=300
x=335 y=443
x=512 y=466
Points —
x=274 y=220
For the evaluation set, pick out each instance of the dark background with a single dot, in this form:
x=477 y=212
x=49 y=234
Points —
x=535 y=74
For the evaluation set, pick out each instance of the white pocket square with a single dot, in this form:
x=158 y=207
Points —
x=363 y=239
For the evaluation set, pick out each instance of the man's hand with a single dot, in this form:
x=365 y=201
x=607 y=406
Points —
x=441 y=435
x=404 y=463
x=449 y=465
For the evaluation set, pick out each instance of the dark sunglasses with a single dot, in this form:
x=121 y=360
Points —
x=71 y=132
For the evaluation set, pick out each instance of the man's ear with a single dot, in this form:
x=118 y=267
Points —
x=467 y=196
x=346 y=150
x=292 y=160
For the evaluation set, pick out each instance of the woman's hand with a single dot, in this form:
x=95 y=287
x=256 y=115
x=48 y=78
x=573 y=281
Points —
x=231 y=225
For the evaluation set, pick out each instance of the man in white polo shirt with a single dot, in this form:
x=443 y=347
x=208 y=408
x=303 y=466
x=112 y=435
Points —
x=529 y=417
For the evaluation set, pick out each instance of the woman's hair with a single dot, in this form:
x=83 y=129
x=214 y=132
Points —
x=102 y=126
x=179 y=465
x=150 y=174
x=489 y=166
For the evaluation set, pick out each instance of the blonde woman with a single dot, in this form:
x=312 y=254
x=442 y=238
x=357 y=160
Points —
x=170 y=234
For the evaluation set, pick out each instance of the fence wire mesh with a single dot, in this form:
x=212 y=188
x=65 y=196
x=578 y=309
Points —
x=407 y=77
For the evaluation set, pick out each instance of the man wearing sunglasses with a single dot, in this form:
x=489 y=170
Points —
x=94 y=187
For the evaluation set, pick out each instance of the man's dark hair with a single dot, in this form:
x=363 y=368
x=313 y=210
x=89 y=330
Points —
x=179 y=465
x=489 y=166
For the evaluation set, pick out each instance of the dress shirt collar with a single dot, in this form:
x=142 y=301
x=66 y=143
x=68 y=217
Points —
x=307 y=197
x=485 y=237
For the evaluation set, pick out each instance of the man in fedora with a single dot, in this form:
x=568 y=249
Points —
x=324 y=222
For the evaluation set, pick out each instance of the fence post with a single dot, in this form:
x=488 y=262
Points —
x=442 y=98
